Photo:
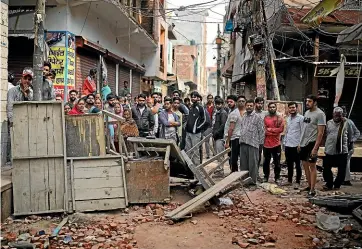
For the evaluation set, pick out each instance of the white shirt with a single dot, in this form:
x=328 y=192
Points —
x=293 y=131
x=142 y=109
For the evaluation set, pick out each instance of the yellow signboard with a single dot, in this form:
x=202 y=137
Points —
x=323 y=9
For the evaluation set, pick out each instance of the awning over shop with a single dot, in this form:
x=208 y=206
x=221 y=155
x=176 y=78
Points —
x=227 y=69
x=350 y=34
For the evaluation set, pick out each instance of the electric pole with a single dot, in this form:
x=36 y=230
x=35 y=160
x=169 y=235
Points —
x=39 y=43
x=218 y=63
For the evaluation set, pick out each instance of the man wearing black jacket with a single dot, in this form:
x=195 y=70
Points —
x=143 y=116
x=218 y=124
x=195 y=125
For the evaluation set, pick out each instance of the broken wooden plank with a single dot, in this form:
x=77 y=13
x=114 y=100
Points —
x=194 y=170
x=212 y=171
x=196 y=146
x=151 y=149
x=189 y=206
x=214 y=158
x=166 y=161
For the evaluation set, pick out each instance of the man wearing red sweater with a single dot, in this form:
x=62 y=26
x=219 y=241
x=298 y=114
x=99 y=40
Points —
x=274 y=126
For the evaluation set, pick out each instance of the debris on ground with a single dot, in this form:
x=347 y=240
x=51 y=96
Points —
x=272 y=188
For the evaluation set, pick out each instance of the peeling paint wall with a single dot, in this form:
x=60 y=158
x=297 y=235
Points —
x=3 y=79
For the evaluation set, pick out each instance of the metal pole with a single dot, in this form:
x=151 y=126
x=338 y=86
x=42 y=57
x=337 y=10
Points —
x=218 y=39
x=38 y=59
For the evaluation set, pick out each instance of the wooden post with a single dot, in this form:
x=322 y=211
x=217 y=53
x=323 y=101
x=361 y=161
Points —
x=39 y=43
x=316 y=54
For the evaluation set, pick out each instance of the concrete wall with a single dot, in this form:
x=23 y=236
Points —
x=3 y=79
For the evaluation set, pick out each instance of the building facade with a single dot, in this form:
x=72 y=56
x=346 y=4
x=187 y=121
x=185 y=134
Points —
x=3 y=79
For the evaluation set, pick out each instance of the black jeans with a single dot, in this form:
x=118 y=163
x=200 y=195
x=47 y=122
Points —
x=339 y=161
x=268 y=153
x=234 y=155
x=292 y=156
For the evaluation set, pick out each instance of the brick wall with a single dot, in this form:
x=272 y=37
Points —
x=3 y=79
x=185 y=57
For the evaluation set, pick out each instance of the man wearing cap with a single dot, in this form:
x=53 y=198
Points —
x=336 y=149
x=21 y=92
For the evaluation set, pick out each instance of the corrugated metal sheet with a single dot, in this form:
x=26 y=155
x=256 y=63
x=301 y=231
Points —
x=136 y=83
x=85 y=61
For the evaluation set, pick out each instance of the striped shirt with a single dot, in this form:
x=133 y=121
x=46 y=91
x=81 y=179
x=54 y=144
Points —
x=252 y=130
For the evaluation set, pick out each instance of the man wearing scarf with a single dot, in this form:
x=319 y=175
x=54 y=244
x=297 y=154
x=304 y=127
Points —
x=336 y=149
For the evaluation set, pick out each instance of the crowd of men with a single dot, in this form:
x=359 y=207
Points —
x=237 y=123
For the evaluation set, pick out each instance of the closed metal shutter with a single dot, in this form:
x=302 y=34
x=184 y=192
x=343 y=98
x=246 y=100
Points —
x=111 y=74
x=123 y=76
x=85 y=61
x=136 y=83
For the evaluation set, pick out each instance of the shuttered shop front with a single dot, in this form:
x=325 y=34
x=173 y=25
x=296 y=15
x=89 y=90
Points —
x=85 y=61
x=124 y=75
x=136 y=83
x=111 y=74
x=20 y=55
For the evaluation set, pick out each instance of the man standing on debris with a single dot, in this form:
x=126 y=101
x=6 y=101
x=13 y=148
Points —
x=251 y=137
x=353 y=135
x=194 y=126
x=291 y=143
x=169 y=122
x=143 y=116
x=314 y=126
x=21 y=92
x=274 y=126
x=233 y=129
x=336 y=149
x=218 y=124
x=210 y=108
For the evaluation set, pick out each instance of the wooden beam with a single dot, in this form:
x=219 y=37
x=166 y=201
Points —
x=221 y=163
x=189 y=206
x=214 y=158
x=112 y=115
x=152 y=149
x=166 y=162
x=194 y=170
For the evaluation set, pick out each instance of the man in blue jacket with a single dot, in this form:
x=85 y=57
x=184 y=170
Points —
x=196 y=123
x=168 y=122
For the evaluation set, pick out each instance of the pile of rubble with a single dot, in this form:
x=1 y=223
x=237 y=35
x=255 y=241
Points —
x=83 y=231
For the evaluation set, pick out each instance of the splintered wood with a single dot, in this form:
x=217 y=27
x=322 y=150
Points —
x=189 y=206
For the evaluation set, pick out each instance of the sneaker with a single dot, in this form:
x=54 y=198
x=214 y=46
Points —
x=287 y=184
x=296 y=185
x=265 y=179
x=311 y=194
x=347 y=183
x=337 y=188
x=307 y=189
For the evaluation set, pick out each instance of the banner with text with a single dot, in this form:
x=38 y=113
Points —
x=62 y=58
